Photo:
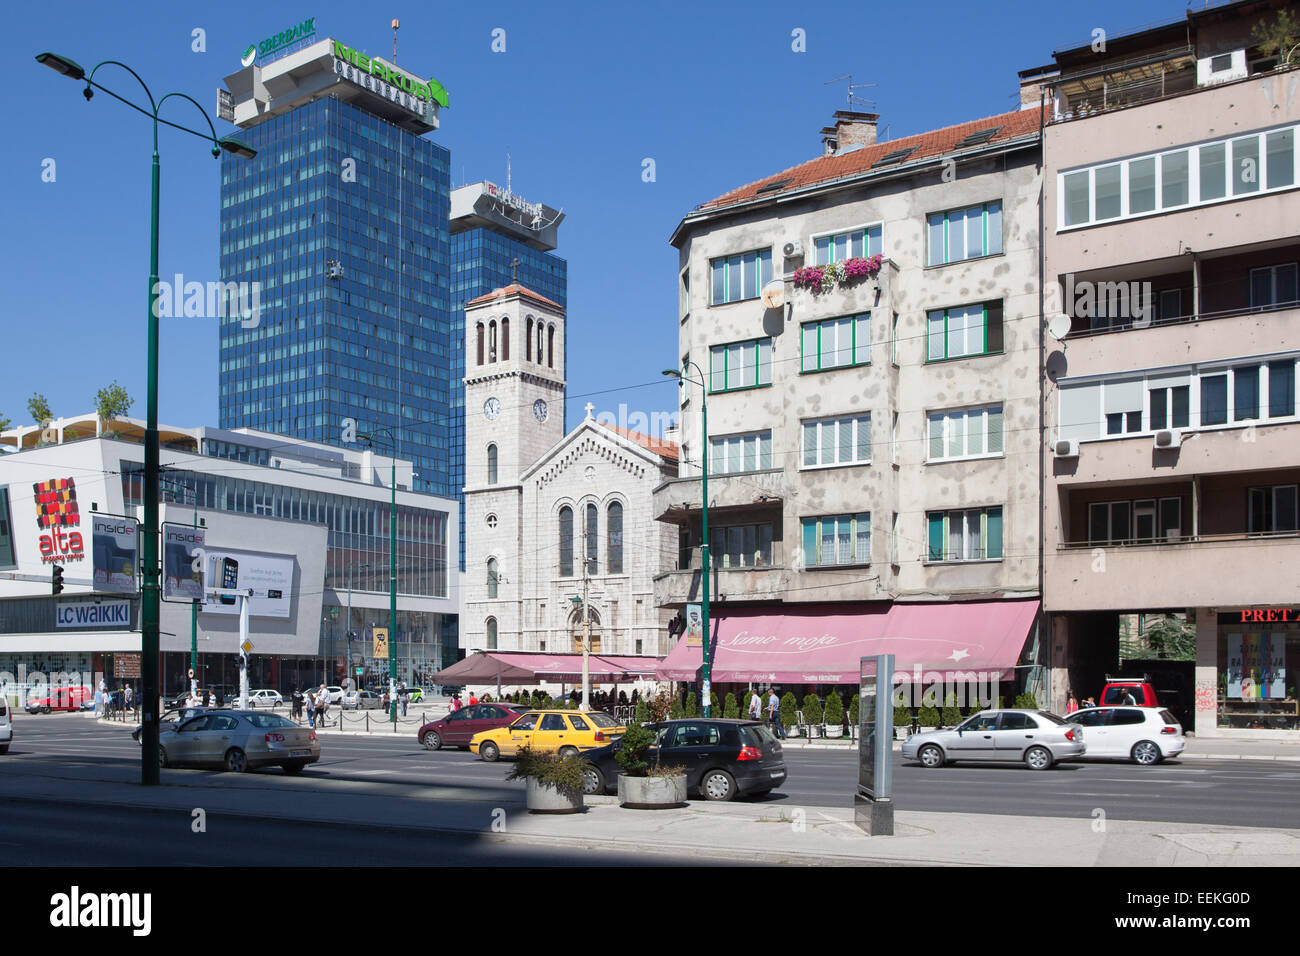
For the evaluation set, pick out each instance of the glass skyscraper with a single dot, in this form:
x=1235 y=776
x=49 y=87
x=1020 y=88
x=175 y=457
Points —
x=342 y=220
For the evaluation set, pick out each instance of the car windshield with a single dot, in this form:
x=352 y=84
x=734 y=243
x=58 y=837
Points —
x=264 y=721
x=600 y=719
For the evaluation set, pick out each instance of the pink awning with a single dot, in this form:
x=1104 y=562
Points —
x=519 y=668
x=825 y=646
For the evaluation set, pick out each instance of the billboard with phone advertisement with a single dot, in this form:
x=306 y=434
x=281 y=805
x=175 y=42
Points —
x=269 y=576
x=182 y=563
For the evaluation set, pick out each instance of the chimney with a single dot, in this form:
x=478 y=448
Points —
x=1034 y=81
x=852 y=128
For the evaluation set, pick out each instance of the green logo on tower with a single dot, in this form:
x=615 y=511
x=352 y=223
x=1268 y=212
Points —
x=249 y=56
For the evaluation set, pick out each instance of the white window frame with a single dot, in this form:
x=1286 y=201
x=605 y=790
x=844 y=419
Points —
x=823 y=440
x=1193 y=177
x=759 y=280
x=859 y=320
x=834 y=234
x=945 y=417
x=739 y=446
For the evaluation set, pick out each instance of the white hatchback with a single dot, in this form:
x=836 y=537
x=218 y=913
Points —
x=6 y=726
x=1145 y=735
x=264 y=698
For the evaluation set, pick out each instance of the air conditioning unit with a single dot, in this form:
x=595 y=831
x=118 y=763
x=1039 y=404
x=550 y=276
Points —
x=1169 y=438
x=793 y=249
x=1065 y=448
x=334 y=270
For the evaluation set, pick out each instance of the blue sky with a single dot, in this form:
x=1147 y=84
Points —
x=712 y=92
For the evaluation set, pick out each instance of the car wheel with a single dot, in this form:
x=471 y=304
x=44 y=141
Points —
x=294 y=767
x=1146 y=753
x=431 y=741
x=718 y=785
x=162 y=756
x=1039 y=758
x=45 y=709
x=593 y=781
x=236 y=760
x=930 y=756
x=568 y=751
x=489 y=751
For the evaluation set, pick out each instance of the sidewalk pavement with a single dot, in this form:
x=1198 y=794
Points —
x=768 y=833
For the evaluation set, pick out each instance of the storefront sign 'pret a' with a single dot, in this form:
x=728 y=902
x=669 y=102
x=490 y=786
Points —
x=432 y=90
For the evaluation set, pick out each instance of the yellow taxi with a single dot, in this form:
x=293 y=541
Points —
x=548 y=731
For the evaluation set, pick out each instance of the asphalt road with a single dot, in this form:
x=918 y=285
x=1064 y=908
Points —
x=1242 y=793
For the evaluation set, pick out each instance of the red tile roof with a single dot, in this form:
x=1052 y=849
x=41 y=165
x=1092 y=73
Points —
x=516 y=289
x=934 y=143
x=664 y=449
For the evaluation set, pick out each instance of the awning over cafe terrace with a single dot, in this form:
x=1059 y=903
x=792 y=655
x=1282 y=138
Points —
x=512 y=668
x=825 y=645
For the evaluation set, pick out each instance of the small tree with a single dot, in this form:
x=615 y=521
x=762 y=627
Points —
x=789 y=705
x=902 y=717
x=642 y=713
x=39 y=409
x=1279 y=37
x=951 y=715
x=692 y=705
x=5 y=424
x=929 y=717
x=834 y=710
x=112 y=402
x=730 y=707
x=675 y=710
x=812 y=709
x=1026 y=702
x=854 y=713
x=661 y=705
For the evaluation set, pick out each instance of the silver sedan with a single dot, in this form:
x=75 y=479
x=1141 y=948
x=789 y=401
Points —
x=238 y=740
x=1037 y=737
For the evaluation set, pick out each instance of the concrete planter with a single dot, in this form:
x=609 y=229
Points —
x=547 y=798
x=833 y=732
x=651 y=793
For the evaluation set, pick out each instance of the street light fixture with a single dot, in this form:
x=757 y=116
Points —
x=149 y=606
x=704 y=498
x=371 y=438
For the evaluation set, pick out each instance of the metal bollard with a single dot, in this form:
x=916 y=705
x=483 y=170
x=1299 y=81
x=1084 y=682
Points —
x=367 y=721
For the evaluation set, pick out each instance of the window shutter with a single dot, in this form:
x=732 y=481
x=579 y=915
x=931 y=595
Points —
x=995 y=431
x=935 y=536
x=809 y=542
x=993 y=533
x=934 y=335
x=936 y=437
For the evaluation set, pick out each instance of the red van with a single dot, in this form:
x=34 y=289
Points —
x=1130 y=691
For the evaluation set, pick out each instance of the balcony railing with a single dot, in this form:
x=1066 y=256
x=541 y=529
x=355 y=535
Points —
x=1127 y=324
x=1171 y=540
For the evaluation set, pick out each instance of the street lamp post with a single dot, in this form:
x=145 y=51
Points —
x=347 y=630
x=150 y=607
x=704 y=497
x=370 y=438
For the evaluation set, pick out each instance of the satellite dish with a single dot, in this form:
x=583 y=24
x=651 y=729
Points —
x=1058 y=327
x=774 y=294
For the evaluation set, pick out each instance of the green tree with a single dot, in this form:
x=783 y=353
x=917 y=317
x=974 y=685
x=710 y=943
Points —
x=929 y=717
x=789 y=704
x=951 y=715
x=854 y=713
x=112 y=402
x=675 y=709
x=692 y=705
x=812 y=709
x=642 y=713
x=1171 y=638
x=730 y=707
x=5 y=424
x=1026 y=702
x=39 y=409
x=834 y=710
x=902 y=717
x=1279 y=37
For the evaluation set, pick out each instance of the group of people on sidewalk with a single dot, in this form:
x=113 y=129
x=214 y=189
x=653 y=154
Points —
x=315 y=700
x=773 y=709
x=111 y=704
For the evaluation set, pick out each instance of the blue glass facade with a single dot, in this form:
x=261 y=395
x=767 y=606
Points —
x=480 y=263
x=356 y=312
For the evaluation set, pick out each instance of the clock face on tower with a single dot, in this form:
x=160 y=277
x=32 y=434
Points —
x=539 y=410
x=492 y=409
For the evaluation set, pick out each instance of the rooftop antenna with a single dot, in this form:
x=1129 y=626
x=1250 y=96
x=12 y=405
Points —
x=396 y=24
x=854 y=100
x=508 y=170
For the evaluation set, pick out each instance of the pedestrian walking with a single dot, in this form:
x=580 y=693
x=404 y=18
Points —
x=774 y=714
x=311 y=709
x=472 y=699
x=296 y=697
x=1071 y=704
x=129 y=696
x=454 y=704
x=322 y=705
x=406 y=699
x=755 y=705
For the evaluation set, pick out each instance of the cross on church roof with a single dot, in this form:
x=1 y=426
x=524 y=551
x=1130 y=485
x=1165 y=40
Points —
x=590 y=409
x=514 y=270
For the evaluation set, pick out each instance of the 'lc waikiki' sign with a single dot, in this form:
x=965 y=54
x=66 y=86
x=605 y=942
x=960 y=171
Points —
x=432 y=91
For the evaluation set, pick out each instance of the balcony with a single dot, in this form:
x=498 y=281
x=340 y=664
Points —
x=1201 y=571
x=678 y=500
x=678 y=588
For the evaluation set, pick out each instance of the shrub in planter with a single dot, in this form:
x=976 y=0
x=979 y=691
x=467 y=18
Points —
x=641 y=714
x=929 y=717
x=692 y=705
x=676 y=711
x=854 y=713
x=812 y=710
x=660 y=706
x=951 y=716
x=730 y=707
x=788 y=707
x=645 y=783
x=834 y=712
x=554 y=782
x=902 y=717
x=1026 y=701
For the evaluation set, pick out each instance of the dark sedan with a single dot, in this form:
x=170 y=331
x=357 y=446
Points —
x=456 y=729
x=722 y=758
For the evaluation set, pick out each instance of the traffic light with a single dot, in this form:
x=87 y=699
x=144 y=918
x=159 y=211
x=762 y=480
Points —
x=57 y=582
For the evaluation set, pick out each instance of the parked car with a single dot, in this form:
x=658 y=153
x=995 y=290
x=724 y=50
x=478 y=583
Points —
x=1145 y=735
x=238 y=740
x=417 y=693
x=264 y=698
x=456 y=729
x=360 y=700
x=1037 y=737
x=723 y=758
x=547 y=731
x=61 y=698
x=170 y=718
x=1128 y=691
x=6 y=726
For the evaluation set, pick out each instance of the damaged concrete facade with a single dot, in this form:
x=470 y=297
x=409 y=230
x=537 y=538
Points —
x=900 y=381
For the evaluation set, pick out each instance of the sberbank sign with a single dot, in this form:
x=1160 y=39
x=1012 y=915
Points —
x=279 y=41
x=432 y=90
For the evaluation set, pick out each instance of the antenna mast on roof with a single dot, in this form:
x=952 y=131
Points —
x=854 y=100
x=508 y=170
x=396 y=24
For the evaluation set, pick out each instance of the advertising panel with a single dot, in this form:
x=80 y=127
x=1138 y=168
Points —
x=84 y=614
x=269 y=576
x=182 y=563
x=694 y=625
x=1257 y=666
x=115 y=543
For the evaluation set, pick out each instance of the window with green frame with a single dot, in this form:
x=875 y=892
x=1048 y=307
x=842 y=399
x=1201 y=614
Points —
x=739 y=365
x=963 y=330
x=836 y=343
x=857 y=243
x=959 y=234
x=837 y=539
x=733 y=278
x=973 y=534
